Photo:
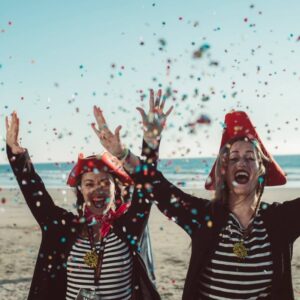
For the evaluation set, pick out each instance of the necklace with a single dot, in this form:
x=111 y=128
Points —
x=93 y=258
x=239 y=248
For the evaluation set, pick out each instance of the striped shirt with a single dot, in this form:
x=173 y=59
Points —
x=229 y=277
x=116 y=273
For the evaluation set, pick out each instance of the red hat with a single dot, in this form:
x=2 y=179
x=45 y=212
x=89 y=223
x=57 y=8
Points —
x=238 y=125
x=101 y=162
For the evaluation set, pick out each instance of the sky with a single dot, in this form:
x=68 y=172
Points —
x=59 y=58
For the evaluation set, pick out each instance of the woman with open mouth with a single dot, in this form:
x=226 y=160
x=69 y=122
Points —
x=241 y=246
x=95 y=254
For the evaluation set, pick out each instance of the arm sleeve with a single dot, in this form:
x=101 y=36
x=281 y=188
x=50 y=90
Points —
x=150 y=155
x=136 y=218
x=186 y=210
x=289 y=216
x=134 y=221
x=32 y=187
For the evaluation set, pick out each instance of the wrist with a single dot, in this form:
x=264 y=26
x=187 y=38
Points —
x=16 y=148
x=152 y=142
x=123 y=154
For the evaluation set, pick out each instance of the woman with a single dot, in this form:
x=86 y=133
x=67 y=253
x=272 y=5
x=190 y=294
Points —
x=241 y=246
x=92 y=255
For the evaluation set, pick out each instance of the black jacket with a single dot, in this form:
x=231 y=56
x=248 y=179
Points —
x=60 y=230
x=195 y=216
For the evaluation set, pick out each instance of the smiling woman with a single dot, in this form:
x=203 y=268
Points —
x=240 y=249
x=240 y=169
x=100 y=199
x=97 y=253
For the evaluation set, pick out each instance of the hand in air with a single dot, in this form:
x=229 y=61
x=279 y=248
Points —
x=12 y=133
x=154 y=122
x=110 y=141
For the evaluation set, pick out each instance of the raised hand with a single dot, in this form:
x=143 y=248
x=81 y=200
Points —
x=155 y=121
x=12 y=133
x=110 y=141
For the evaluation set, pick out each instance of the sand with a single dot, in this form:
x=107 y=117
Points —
x=20 y=239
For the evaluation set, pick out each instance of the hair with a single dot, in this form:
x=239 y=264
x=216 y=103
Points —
x=121 y=194
x=222 y=190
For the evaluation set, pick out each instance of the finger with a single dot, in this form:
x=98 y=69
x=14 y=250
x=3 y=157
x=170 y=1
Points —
x=143 y=114
x=151 y=101
x=99 y=116
x=169 y=111
x=100 y=134
x=117 y=132
x=6 y=123
x=162 y=105
x=93 y=125
x=13 y=122
x=157 y=100
x=17 y=127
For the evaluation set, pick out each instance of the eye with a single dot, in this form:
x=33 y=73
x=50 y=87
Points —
x=89 y=185
x=105 y=183
x=250 y=158
x=233 y=159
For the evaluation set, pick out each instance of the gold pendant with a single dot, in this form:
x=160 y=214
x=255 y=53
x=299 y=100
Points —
x=91 y=259
x=240 y=250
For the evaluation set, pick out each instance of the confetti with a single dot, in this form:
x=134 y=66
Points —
x=200 y=52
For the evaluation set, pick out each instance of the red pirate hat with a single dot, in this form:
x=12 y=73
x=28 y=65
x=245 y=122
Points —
x=102 y=162
x=238 y=125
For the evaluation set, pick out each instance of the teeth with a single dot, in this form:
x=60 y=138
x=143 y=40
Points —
x=241 y=173
x=99 y=204
x=98 y=199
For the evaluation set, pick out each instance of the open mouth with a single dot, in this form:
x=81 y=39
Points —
x=99 y=198
x=241 y=177
x=98 y=203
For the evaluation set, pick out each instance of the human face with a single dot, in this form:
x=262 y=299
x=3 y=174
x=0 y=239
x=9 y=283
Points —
x=243 y=168
x=98 y=191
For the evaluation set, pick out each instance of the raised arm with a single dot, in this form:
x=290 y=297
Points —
x=155 y=121
x=182 y=208
x=31 y=185
x=137 y=215
x=153 y=124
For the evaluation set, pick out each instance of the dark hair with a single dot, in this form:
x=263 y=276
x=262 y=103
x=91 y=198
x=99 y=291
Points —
x=121 y=194
x=221 y=188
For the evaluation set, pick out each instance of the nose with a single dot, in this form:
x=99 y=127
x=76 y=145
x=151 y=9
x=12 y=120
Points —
x=98 y=189
x=242 y=162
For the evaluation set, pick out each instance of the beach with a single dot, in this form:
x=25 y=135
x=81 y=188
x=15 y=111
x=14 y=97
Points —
x=20 y=238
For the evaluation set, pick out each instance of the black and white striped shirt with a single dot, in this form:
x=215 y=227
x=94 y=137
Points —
x=116 y=272
x=229 y=277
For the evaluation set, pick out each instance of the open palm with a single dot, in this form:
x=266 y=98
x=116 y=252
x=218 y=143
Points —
x=154 y=122
x=12 y=133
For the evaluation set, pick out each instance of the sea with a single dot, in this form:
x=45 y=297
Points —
x=186 y=173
